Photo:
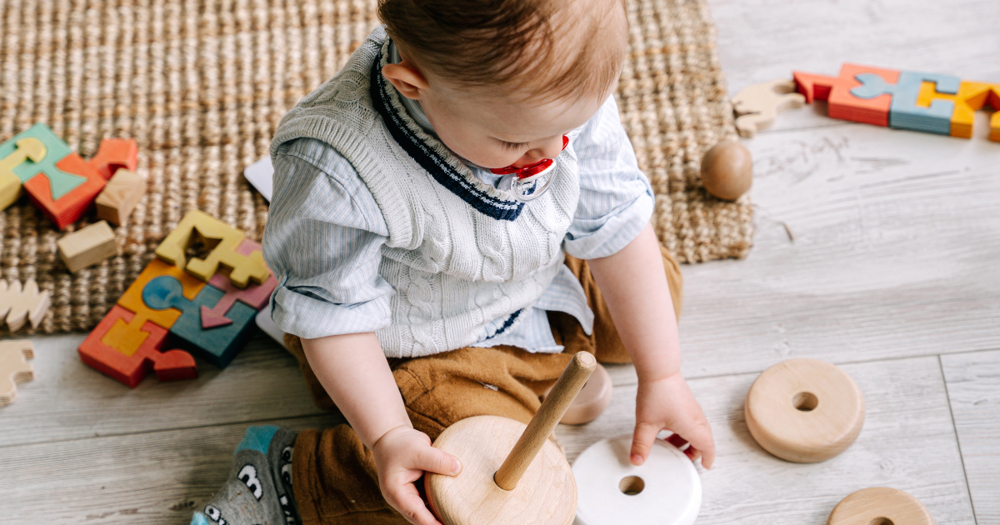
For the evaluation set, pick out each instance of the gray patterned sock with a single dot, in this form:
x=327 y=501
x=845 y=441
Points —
x=259 y=489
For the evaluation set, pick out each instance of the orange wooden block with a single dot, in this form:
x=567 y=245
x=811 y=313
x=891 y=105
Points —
x=115 y=154
x=132 y=298
x=837 y=92
x=971 y=97
x=73 y=204
x=125 y=347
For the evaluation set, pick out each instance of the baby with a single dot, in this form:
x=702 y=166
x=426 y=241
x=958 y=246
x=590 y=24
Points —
x=455 y=214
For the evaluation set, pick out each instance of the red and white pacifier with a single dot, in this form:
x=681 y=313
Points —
x=526 y=176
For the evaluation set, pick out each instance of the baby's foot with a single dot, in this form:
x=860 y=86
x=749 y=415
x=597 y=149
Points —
x=259 y=489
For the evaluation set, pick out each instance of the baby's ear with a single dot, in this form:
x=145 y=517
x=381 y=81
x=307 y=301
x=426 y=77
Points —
x=406 y=78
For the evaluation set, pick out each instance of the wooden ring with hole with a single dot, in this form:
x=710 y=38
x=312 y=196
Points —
x=880 y=506
x=804 y=410
x=593 y=399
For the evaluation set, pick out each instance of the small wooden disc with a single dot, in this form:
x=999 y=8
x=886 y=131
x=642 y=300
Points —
x=594 y=397
x=880 y=506
x=804 y=410
x=545 y=495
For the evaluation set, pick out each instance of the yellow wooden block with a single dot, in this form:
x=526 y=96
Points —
x=971 y=97
x=197 y=225
x=10 y=184
x=132 y=301
x=125 y=337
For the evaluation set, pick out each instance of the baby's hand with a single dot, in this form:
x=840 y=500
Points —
x=669 y=404
x=401 y=457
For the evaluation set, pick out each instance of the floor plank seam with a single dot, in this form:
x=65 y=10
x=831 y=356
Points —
x=958 y=442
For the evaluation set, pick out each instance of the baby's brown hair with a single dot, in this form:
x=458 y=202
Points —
x=513 y=43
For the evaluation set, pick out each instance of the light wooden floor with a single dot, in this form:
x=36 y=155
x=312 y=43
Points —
x=893 y=274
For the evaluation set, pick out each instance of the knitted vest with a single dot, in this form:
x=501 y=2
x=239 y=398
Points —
x=460 y=253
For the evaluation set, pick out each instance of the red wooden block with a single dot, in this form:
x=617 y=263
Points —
x=72 y=205
x=114 y=154
x=837 y=92
x=126 y=352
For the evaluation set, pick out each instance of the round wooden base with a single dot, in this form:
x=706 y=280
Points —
x=545 y=495
x=594 y=397
x=804 y=410
x=665 y=490
x=880 y=506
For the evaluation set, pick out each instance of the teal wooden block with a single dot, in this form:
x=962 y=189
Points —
x=217 y=345
x=904 y=113
x=55 y=150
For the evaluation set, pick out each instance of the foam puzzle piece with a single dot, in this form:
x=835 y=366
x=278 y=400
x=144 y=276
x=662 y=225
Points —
x=132 y=300
x=971 y=97
x=125 y=348
x=14 y=368
x=904 y=113
x=758 y=105
x=217 y=345
x=120 y=196
x=68 y=208
x=61 y=181
x=19 y=305
x=842 y=103
x=25 y=149
x=115 y=154
x=199 y=225
x=254 y=296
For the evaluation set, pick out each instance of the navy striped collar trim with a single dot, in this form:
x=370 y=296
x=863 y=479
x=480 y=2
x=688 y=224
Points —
x=432 y=155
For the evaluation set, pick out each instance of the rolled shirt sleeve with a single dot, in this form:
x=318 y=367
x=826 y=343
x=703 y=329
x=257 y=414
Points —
x=323 y=242
x=616 y=200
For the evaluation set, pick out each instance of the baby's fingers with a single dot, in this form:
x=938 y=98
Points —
x=409 y=504
x=642 y=442
x=430 y=459
x=700 y=437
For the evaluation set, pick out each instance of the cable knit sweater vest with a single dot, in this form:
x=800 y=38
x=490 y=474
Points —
x=460 y=253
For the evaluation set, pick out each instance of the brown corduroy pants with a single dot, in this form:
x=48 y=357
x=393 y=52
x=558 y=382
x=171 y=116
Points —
x=334 y=475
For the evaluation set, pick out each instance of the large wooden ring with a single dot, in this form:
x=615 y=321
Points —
x=665 y=490
x=593 y=399
x=804 y=410
x=880 y=506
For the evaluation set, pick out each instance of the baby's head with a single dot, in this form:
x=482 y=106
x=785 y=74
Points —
x=502 y=81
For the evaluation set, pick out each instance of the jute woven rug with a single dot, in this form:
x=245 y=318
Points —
x=201 y=85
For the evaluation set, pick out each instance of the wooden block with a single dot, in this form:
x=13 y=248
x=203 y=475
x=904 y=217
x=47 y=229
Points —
x=880 y=506
x=842 y=103
x=971 y=97
x=758 y=105
x=120 y=196
x=665 y=490
x=804 y=410
x=115 y=154
x=87 y=246
x=198 y=226
x=62 y=182
x=125 y=347
x=905 y=113
x=218 y=345
x=14 y=368
x=25 y=149
x=132 y=301
x=18 y=305
x=254 y=296
x=66 y=209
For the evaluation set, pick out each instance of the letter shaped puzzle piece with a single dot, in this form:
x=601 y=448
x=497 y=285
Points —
x=759 y=104
x=62 y=182
x=904 y=113
x=67 y=208
x=201 y=226
x=124 y=347
x=218 y=345
x=838 y=93
x=14 y=368
x=971 y=97
x=25 y=149
x=18 y=305
x=255 y=295
x=115 y=154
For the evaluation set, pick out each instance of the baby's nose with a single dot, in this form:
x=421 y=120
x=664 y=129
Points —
x=549 y=149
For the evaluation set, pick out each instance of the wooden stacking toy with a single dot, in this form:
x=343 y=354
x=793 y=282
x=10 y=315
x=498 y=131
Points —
x=727 y=170
x=804 y=410
x=593 y=399
x=880 y=506
x=665 y=490
x=511 y=473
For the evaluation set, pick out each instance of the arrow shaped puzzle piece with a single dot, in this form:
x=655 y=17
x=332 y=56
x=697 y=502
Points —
x=255 y=295
x=14 y=368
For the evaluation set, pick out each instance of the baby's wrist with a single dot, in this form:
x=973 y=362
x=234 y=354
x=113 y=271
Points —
x=402 y=427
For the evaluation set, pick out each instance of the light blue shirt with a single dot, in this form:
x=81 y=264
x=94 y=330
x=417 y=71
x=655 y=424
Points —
x=332 y=233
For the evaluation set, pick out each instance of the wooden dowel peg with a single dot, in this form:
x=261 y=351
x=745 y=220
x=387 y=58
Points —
x=541 y=426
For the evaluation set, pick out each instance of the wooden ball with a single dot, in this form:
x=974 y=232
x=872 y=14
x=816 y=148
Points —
x=727 y=170
x=594 y=397
x=804 y=410
x=545 y=495
x=880 y=506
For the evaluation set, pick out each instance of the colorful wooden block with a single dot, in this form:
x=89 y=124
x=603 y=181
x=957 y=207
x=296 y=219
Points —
x=199 y=226
x=61 y=181
x=971 y=97
x=904 y=113
x=843 y=104
x=758 y=105
x=125 y=348
x=254 y=296
x=217 y=345
x=66 y=209
x=120 y=196
x=132 y=300
x=25 y=149
x=87 y=246
x=18 y=305
x=14 y=368
x=115 y=154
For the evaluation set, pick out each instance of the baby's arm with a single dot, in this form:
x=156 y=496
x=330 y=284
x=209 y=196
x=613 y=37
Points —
x=635 y=288
x=354 y=371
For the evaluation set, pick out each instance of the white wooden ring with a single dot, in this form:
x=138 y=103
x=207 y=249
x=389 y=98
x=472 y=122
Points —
x=593 y=399
x=665 y=490
x=880 y=506
x=804 y=410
